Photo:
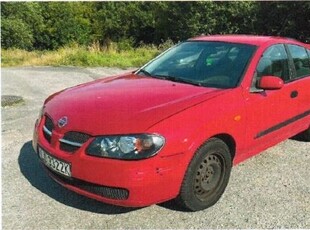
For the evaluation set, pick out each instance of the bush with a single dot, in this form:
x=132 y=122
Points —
x=16 y=34
x=125 y=44
x=166 y=45
x=75 y=55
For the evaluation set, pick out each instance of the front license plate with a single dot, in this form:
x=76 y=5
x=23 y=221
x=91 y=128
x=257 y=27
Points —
x=55 y=164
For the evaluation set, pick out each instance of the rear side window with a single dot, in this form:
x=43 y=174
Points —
x=300 y=60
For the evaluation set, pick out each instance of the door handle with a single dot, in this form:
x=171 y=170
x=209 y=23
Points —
x=294 y=94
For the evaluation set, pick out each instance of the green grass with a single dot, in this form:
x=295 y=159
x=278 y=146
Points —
x=80 y=56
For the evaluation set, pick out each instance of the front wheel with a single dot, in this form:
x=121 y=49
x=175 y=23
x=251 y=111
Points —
x=305 y=135
x=206 y=177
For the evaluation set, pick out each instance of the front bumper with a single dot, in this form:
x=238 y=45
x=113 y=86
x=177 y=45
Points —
x=125 y=183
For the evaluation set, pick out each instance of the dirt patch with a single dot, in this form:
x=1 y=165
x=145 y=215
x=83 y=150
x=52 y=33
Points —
x=9 y=100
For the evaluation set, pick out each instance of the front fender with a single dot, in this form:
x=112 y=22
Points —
x=186 y=131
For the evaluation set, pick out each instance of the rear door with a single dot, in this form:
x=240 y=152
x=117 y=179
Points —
x=300 y=77
x=272 y=114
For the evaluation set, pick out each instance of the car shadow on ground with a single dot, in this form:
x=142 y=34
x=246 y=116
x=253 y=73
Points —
x=299 y=137
x=34 y=172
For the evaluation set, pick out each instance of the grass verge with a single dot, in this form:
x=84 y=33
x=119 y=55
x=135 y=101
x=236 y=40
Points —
x=79 y=56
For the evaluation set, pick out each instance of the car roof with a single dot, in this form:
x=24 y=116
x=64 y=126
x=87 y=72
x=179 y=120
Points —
x=247 y=39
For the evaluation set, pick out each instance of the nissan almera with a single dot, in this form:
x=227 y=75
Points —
x=173 y=128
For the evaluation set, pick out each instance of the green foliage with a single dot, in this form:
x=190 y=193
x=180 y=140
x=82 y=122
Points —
x=291 y=19
x=188 y=19
x=165 y=45
x=110 y=58
x=27 y=22
x=51 y=25
x=15 y=34
x=118 y=20
x=65 y=22
x=125 y=44
x=76 y=55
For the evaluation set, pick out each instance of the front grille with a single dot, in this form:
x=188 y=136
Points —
x=104 y=191
x=72 y=141
x=49 y=123
x=76 y=137
x=48 y=128
x=68 y=148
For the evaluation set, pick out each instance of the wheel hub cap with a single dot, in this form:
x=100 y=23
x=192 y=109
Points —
x=208 y=176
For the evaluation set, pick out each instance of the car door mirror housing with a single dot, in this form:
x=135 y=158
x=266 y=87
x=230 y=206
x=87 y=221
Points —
x=270 y=83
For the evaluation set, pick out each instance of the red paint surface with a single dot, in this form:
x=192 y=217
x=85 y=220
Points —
x=184 y=114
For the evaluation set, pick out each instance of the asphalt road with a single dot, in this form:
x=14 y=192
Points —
x=270 y=190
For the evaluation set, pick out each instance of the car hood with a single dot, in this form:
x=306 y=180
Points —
x=123 y=104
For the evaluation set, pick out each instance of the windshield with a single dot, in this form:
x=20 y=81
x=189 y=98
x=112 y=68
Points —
x=211 y=64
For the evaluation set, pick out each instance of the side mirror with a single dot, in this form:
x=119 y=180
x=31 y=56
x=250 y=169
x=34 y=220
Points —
x=270 y=83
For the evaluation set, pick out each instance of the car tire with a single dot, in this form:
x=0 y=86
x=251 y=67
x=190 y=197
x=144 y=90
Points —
x=305 y=135
x=206 y=177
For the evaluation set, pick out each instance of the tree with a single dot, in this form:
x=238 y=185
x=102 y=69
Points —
x=122 y=20
x=16 y=34
x=65 y=22
x=180 y=20
x=50 y=25
x=290 y=19
x=25 y=17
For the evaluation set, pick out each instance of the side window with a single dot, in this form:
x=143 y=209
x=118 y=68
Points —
x=274 y=62
x=300 y=59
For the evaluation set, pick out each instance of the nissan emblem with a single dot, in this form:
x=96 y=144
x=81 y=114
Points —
x=62 y=122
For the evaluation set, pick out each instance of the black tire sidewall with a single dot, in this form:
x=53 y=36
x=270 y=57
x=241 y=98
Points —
x=187 y=195
x=306 y=135
x=303 y=136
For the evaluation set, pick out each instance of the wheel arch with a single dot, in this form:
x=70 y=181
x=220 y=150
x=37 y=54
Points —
x=230 y=141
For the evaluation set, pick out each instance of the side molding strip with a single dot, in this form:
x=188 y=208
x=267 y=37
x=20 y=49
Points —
x=282 y=124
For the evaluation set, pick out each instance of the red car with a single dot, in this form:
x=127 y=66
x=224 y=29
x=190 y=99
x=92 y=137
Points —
x=174 y=128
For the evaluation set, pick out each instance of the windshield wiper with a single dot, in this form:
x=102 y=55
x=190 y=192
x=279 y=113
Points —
x=180 y=80
x=144 y=72
x=170 y=78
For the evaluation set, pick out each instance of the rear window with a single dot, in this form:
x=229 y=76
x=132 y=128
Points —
x=300 y=59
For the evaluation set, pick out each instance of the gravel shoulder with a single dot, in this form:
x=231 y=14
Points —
x=270 y=190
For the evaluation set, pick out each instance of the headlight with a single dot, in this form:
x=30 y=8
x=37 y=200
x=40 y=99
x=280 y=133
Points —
x=126 y=147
